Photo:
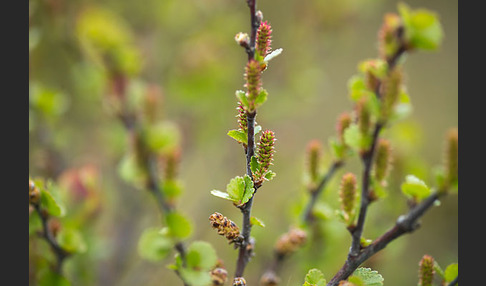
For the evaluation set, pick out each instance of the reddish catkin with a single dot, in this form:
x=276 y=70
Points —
x=426 y=271
x=242 y=117
x=383 y=160
x=253 y=81
x=266 y=149
x=364 y=116
x=264 y=39
x=388 y=35
x=452 y=152
x=390 y=90
x=344 y=120
x=347 y=194
x=314 y=150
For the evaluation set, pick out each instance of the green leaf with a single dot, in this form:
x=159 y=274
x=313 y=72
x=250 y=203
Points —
x=48 y=203
x=130 y=171
x=354 y=138
x=269 y=175
x=369 y=277
x=179 y=226
x=337 y=148
x=365 y=242
x=422 y=28
x=171 y=188
x=201 y=255
x=254 y=165
x=357 y=88
x=241 y=95
x=376 y=67
x=236 y=189
x=71 y=240
x=415 y=188
x=239 y=135
x=403 y=108
x=195 y=277
x=222 y=195
x=154 y=245
x=256 y=221
x=49 y=278
x=314 y=278
x=261 y=98
x=162 y=138
x=451 y=272
x=249 y=190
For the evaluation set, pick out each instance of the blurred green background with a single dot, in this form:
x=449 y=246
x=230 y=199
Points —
x=187 y=50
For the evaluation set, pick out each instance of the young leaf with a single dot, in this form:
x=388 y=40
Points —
x=71 y=240
x=179 y=226
x=314 y=278
x=415 y=188
x=52 y=206
x=220 y=194
x=353 y=137
x=261 y=98
x=368 y=276
x=195 y=277
x=257 y=129
x=163 y=137
x=201 y=255
x=249 y=190
x=254 y=165
x=241 y=95
x=269 y=175
x=238 y=135
x=49 y=278
x=236 y=189
x=154 y=245
x=256 y=221
x=451 y=272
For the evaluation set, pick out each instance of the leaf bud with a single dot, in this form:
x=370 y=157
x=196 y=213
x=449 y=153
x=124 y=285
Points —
x=239 y=281
x=34 y=193
x=219 y=276
x=242 y=39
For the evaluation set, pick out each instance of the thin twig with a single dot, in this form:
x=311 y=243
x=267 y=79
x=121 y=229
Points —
x=59 y=252
x=405 y=224
x=316 y=191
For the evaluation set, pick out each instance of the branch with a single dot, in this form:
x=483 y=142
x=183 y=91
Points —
x=59 y=252
x=455 y=281
x=367 y=159
x=245 y=249
x=149 y=161
x=405 y=224
x=316 y=191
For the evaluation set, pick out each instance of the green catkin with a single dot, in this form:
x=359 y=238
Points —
x=344 y=120
x=383 y=160
x=452 y=149
x=264 y=39
x=314 y=149
x=347 y=194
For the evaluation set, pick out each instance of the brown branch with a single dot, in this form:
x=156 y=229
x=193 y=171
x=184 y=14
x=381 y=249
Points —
x=59 y=252
x=149 y=161
x=405 y=224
